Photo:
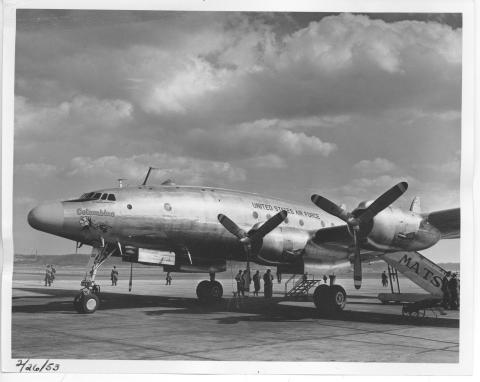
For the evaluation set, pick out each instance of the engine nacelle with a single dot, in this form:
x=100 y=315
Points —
x=394 y=229
x=280 y=245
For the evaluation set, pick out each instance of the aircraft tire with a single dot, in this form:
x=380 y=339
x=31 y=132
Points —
x=77 y=304
x=90 y=303
x=338 y=298
x=216 y=291
x=322 y=299
x=203 y=289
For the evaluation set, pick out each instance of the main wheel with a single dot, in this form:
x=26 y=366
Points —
x=321 y=299
x=90 y=303
x=216 y=291
x=203 y=290
x=338 y=298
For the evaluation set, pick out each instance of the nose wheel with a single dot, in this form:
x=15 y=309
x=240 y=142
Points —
x=86 y=301
x=329 y=299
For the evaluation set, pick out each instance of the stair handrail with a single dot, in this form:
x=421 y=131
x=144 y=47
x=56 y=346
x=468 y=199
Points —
x=292 y=277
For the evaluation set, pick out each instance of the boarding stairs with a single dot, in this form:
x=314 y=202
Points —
x=301 y=286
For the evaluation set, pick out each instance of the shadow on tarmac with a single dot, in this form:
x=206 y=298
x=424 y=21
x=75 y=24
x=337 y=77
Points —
x=253 y=309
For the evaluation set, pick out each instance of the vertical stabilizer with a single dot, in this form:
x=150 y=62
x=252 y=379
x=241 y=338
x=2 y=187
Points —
x=415 y=206
x=423 y=272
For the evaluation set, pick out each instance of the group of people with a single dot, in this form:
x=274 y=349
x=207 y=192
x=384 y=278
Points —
x=243 y=283
x=50 y=274
x=451 y=291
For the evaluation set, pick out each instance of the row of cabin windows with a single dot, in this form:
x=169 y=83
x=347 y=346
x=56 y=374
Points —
x=98 y=196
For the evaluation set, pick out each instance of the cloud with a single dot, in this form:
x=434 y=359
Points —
x=36 y=169
x=258 y=138
x=76 y=115
x=376 y=166
x=184 y=170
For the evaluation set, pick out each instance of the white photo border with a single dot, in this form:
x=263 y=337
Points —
x=467 y=261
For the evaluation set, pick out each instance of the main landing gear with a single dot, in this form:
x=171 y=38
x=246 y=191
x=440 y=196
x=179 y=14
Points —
x=88 y=301
x=209 y=291
x=329 y=299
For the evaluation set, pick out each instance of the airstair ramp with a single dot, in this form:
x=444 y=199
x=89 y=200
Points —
x=301 y=287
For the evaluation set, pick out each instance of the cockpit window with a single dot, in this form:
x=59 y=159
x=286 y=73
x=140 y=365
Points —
x=93 y=196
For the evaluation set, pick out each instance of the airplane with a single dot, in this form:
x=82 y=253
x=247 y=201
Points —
x=198 y=229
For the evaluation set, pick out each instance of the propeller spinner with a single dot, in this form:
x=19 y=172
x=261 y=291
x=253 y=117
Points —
x=357 y=221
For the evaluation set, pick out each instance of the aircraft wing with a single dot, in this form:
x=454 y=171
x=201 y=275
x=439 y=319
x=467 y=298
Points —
x=447 y=222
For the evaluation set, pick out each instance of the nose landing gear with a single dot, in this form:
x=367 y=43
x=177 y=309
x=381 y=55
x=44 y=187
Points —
x=88 y=301
x=329 y=299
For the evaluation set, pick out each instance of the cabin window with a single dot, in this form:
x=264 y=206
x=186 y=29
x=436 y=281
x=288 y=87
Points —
x=167 y=207
x=104 y=196
x=286 y=220
x=332 y=224
x=129 y=206
x=323 y=223
x=111 y=197
x=268 y=216
x=301 y=222
x=255 y=214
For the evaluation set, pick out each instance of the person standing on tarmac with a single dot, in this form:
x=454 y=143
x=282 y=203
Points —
x=168 y=279
x=453 y=292
x=268 y=284
x=384 y=279
x=256 y=283
x=325 y=278
x=48 y=276
x=238 y=279
x=246 y=282
x=114 y=275
x=445 y=290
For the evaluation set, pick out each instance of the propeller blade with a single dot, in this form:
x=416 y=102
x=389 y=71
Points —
x=357 y=263
x=231 y=227
x=269 y=225
x=383 y=201
x=330 y=207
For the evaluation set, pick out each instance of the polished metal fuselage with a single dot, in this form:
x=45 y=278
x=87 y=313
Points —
x=183 y=219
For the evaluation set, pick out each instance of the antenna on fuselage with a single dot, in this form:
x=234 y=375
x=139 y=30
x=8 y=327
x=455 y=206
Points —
x=148 y=174
x=120 y=182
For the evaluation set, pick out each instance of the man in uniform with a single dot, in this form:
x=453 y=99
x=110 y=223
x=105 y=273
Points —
x=268 y=284
x=48 y=276
x=445 y=290
x=453 y=291
x=384 y=279
x=256 y=283
x=168 y=279
x=239 y=280
x=114 y=275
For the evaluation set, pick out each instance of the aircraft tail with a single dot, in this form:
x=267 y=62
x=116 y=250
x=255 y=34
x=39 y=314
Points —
x=422 y=271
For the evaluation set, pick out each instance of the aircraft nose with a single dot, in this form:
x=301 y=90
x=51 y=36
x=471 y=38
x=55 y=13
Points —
x=47 y=217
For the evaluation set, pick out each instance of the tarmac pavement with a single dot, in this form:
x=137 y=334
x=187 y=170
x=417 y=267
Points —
x=159 y=322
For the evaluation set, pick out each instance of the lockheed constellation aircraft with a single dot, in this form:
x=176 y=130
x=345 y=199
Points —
x=198 y=229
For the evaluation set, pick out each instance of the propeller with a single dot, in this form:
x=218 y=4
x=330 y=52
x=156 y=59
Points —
x=360 y=218
x=253 y=236
x=131 y=278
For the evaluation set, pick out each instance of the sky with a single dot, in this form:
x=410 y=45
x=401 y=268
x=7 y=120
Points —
x=284 y=104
